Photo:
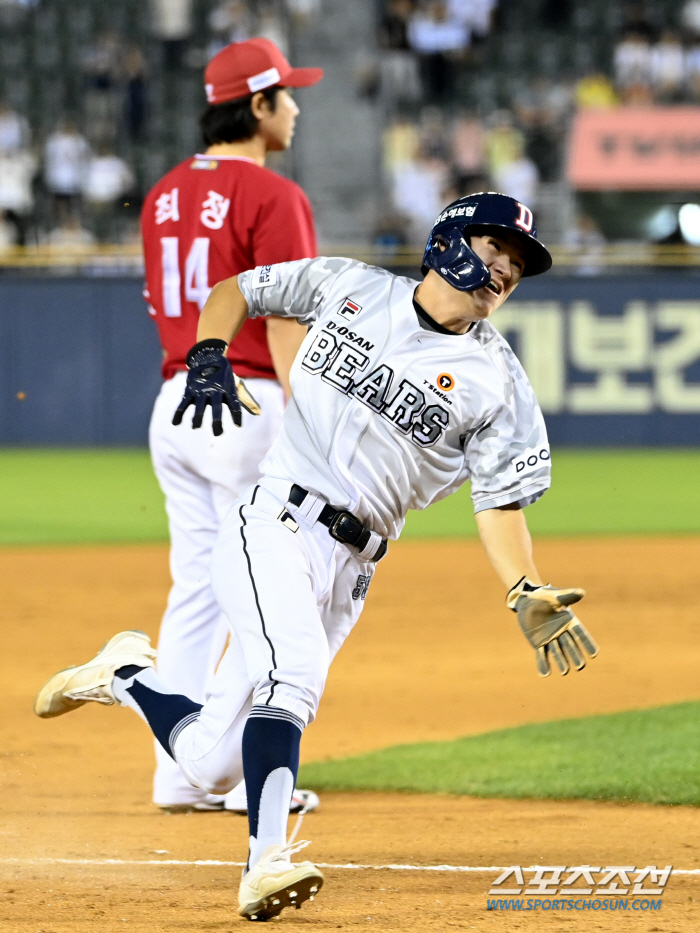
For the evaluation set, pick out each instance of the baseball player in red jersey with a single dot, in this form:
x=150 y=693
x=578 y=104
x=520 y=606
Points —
x=213 y=216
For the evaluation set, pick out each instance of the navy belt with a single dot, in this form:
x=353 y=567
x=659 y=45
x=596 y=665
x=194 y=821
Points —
x=343 y=526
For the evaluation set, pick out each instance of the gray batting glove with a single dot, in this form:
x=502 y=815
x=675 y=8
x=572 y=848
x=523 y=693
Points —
x=551 y=628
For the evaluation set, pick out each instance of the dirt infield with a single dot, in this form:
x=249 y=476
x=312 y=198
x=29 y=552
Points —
x=434 y=656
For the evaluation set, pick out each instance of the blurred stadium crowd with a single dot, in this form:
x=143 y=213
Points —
x=99 y=100
x=480 y=94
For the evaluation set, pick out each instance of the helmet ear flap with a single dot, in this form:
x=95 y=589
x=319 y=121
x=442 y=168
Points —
x=437 y=246
x=457 y=263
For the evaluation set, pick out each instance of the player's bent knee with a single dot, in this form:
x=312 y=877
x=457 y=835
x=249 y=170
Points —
x=211 y=775
x=214 y=767
x=301 y=701
x=222 y=785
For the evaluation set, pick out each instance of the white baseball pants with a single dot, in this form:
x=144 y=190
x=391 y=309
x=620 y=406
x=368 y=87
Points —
x=291 y=597
x=201 y=476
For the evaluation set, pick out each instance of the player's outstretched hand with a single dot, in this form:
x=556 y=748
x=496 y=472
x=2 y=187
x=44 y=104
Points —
x=551 y=628
x=210 y=381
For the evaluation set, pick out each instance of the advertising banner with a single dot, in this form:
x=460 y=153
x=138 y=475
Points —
x=614 y=360
x=636 y=149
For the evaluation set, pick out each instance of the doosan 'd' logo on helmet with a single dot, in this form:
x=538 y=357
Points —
x=524 y=220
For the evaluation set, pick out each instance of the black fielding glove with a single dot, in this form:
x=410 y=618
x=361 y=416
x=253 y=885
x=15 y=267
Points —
x=210 y=381
x=550 y=626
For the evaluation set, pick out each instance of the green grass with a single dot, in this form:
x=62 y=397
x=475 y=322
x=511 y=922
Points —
x=72 y=496
x=648 y=756
x=593 y=492
x=79 y=496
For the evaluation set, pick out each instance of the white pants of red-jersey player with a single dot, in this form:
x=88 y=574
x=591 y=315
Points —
x=201 y=476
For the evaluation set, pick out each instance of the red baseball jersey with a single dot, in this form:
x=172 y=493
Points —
x=206 y=220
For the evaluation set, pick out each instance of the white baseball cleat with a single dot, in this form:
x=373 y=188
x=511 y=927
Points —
x=303 y=800
x=274 y=883
x=207 y=803
x=306 y=800
x=71 y=688
x=235 y=802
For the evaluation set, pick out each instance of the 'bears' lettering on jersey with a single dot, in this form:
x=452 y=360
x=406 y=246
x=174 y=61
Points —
x=338 y=364
x=343 y=367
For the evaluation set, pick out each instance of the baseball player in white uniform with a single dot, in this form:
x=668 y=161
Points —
x=400 y=394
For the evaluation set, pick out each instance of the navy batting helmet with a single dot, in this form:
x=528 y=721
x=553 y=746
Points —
x=478 y=215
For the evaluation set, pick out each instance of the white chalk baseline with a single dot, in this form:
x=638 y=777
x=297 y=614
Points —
x=216 y=863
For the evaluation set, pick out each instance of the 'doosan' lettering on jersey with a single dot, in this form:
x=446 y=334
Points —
x=350 y=335
x=341 y=363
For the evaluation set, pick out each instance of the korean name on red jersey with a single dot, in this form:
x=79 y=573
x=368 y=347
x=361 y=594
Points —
x=206 y=220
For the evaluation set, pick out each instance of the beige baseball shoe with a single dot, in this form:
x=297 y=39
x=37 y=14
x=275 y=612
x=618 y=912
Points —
x=274 y=883
x=75 y=686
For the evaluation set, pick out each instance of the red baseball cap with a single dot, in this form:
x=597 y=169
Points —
x=243 y=68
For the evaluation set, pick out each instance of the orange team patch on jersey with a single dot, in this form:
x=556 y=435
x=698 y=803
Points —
x=446 y=382
x=206 y=164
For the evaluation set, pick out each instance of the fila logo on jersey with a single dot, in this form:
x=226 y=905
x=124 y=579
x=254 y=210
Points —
x=349 y=308
x=263 y=276
x=361 y=587
x=339 y=364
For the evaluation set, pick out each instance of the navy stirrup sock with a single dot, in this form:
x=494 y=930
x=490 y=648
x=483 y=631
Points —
x=166 y=713
x=271 y=741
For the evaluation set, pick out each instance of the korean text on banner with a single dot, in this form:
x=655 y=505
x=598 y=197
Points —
x=636 y=149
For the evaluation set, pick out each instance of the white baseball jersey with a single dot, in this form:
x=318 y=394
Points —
x=387 y=413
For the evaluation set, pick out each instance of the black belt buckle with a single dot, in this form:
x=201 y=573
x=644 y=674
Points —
x=345 y=528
